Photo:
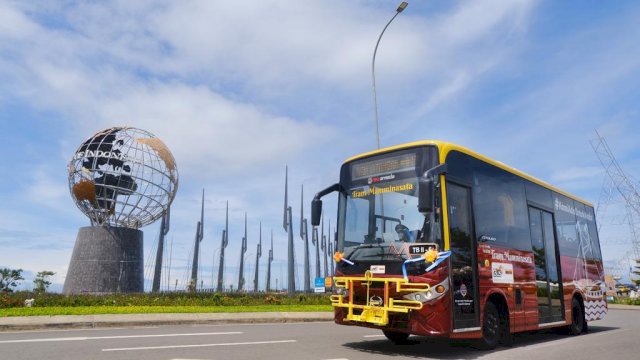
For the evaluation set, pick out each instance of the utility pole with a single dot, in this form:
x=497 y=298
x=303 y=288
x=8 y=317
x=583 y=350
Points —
x=242 y=251
x=324 y=248
x=288 y=227
x=304 y=235
x=164 y=229
x=223 y=245
x=258 y=255
x=270 y=260
x=316 y=241
x=193 y=284
x=331 y=249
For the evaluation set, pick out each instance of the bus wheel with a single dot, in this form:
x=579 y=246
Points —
x=396 y=337
x=578 y=324
x=491 y=328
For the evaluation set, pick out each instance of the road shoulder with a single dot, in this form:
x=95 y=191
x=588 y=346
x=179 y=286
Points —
x=109 y=320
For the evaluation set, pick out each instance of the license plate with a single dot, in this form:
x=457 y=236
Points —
x=420 y=249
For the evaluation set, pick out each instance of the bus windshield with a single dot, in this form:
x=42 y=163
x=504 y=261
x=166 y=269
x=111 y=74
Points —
x=379 y=207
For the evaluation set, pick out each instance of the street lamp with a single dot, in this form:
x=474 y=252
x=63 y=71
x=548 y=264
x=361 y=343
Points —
x=400 y=8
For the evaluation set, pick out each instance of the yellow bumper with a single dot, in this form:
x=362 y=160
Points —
x=376 y=310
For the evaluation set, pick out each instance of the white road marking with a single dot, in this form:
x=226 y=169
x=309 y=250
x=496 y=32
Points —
x=44 y=340
x=82 y=338
x=374 y=336
x=328 y=322
x=60 y=330
x=200 y=345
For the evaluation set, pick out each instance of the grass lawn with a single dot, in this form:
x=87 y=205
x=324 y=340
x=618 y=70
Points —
x=92 y=310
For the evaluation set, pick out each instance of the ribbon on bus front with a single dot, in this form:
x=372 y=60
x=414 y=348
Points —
x=338 y=257
x=432 y=256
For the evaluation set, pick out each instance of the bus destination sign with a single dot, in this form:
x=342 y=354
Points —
x=383 y=166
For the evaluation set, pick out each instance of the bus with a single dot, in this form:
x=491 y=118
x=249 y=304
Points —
x=437 y=240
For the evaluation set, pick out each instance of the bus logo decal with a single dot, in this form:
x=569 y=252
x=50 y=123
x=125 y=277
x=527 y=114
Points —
x=502 y=273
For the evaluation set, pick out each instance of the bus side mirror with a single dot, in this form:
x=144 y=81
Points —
x=426 y=189
x=316 y=211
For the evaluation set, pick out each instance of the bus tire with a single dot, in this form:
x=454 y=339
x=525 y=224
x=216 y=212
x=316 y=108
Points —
x=396 y=337
x=578 y=323
x=491 y=327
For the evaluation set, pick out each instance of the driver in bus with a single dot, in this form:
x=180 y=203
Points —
x=404 y=234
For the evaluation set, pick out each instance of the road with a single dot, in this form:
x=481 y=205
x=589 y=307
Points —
x=616 y=337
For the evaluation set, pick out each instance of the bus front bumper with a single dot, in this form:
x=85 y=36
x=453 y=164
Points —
x=379 y=302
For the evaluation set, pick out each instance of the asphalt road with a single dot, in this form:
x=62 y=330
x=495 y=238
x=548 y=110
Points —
x=617 y=337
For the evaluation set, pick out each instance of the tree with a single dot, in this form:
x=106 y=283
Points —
x=637 y=272
x=9 y=279
x=42 y=282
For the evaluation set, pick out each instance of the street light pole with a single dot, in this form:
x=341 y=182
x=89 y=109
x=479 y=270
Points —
x=400 y=8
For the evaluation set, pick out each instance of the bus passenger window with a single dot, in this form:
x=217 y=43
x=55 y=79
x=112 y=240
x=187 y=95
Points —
x=500 y=207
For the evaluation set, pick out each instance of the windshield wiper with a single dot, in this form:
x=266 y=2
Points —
x=366 y=246
x=381 y=256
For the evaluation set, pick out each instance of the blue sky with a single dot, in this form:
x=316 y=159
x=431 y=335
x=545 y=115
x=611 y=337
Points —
x=239 y=89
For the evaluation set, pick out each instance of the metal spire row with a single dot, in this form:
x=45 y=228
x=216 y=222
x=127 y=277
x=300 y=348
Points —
x=287 y=224
x=323 y=243
x=258 y=255
x=243 y=250
x=193 y=283
x=304 y=235
x=223 y=245
x=270 y=260
x=164 y=230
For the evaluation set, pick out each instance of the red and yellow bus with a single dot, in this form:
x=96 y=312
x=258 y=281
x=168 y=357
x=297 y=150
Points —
x=437 y=240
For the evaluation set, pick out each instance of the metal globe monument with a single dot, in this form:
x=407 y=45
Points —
x=122 y=179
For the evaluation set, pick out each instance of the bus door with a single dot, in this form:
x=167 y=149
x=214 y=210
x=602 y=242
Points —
x=463 y=258
x=549 y=288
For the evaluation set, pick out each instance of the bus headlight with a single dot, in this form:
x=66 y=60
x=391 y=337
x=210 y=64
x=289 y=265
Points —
x=342 y=292
x=435 y=292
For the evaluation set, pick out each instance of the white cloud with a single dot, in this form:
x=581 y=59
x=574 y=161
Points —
x=200 y=125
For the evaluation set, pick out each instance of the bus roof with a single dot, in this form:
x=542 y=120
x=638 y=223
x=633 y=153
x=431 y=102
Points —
x=446 y=147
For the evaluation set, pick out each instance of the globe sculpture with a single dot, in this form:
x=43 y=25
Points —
x=123 y=176
x=122 y=179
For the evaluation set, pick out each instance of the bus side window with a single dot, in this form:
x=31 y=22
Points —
x=500 y=207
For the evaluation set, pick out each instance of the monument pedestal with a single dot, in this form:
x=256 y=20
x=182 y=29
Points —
x=106 y=259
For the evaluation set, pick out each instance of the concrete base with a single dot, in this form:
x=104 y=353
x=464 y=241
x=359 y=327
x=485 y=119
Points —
x=106 y=260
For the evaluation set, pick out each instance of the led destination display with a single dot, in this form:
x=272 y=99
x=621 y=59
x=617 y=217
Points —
x=384 y=166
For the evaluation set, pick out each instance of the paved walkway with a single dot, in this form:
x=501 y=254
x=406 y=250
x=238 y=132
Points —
x=106 y=320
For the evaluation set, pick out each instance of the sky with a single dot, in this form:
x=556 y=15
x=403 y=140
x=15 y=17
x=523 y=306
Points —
x=240 y=89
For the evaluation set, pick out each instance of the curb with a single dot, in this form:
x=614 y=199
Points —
x=115 y=320
x=623 y=307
